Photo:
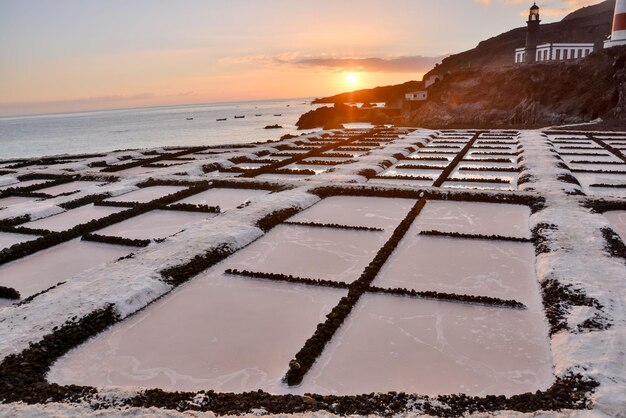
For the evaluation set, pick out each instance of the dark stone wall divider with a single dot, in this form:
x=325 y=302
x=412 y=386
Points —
x=9 y=293
x=612 y=186
x=475 y=180
x=313 y=347
x=495 y=169
x=83 y=201
x=188 y=207
x=416 y=178
x=614 y=244
x=473 y=236
x=105 y=239
x=619 y=154
x=335 y=226
x=488 y=160
x=450 y=297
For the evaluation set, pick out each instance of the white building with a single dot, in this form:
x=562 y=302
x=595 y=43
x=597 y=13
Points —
x=416 y=96
x=556 y=52
x=618 y=34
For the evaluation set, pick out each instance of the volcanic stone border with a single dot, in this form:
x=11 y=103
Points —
x=415 y=178
x=314 y=346
x=613 y=186
x=431 y=295
x=614 y=244
x=459 y=235
x=608 y=147
x=9 y=293
x=476 y=180
x=107 y=239
x=495 y=169
x=334 y=226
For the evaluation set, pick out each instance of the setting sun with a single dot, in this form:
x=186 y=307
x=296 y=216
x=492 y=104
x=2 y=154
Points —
x=352 y=78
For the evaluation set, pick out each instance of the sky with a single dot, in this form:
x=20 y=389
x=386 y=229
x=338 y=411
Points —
x=75 y=55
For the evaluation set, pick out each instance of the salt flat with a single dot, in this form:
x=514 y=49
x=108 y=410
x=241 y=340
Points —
x=319 y=286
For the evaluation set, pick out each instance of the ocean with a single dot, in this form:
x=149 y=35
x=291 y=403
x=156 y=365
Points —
x=108 y=130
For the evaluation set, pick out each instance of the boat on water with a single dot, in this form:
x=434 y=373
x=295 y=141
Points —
x=221 y=119
x=239 y=117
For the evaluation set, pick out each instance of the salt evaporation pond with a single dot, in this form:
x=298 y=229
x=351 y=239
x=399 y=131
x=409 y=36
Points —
x=8 y=239
x=226 y=199
x=155 y=224
x=146 y=194
x=318 y=169
x=38 y=272
x=6 y=202
x=499 y=269
x=372 y=212
x=486 y=185
x=587 y=179
x=136 y=170
x=314 y=253
x=474 y=218
x=419 y=346
x=71 y=218
x=406 y=182
x=26 y=183
x=272 y=176
x=618 y=222
x=200 y=337
x=73 y=186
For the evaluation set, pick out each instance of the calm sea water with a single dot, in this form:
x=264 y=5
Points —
x=108 y=130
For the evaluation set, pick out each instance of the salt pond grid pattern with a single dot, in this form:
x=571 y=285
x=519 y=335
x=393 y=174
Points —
x=335 y=222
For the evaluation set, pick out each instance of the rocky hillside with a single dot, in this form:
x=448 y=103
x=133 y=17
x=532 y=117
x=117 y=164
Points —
x=588 y=24
x=390 y=95
x=529 y=95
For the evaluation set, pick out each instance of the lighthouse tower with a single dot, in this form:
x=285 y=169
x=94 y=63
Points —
x=532 y=33
x=618 y=36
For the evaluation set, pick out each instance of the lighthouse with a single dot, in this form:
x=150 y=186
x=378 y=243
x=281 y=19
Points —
x=618 y=35
x=532 y=34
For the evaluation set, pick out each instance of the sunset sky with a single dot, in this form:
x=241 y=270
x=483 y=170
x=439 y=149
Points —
x=66 y=55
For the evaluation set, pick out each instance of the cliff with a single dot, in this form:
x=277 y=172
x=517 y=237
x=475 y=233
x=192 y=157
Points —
x=392 y=96
x=588 y=24
x=529 y=95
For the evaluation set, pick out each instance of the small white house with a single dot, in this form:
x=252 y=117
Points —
x=416 y=96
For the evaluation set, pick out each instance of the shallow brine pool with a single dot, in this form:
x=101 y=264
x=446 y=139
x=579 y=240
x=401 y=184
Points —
x=428 y=347
x=71 y=218
x=6 y=202
x=38 y=272
x=73 y=186
x=218 y=332
x=373 y=212
x=311 y=252
x=226 y=199
x=22 y=184
x=155 y=224
x=147 y=194
x=7 y=239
